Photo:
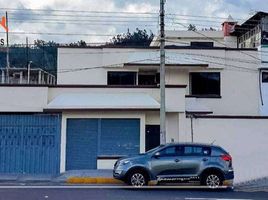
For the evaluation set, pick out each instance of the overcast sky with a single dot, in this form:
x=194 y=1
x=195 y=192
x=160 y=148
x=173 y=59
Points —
x=98 y=28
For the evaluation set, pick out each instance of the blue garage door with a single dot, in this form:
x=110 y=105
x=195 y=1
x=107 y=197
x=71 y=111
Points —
x=89 y=138
x=81 y=146
x=29 y=144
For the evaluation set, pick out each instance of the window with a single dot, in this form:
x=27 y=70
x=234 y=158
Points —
x=202 y=44
x=148 y=78
x=196 y=151
x=205 y=83
x=265 y=77
x=172 y=151
x=121 y=78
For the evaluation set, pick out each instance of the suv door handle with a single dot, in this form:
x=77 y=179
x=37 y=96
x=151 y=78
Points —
x=177 y=160
x=205 y=159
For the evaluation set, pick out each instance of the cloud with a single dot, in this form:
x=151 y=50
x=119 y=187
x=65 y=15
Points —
x=239 y=9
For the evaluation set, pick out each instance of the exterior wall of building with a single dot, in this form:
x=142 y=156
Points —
x=245 y=139
x=184 y=38
x=239 y=74
x=23 y=99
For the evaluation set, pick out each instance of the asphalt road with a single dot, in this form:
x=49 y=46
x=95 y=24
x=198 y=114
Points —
x=72 y=193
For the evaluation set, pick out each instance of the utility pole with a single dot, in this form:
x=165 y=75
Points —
x=8 y=64
x=162 y=74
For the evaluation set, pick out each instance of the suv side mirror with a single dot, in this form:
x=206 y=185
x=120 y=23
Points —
x=157 y=154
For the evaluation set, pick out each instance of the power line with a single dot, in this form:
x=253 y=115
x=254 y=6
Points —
x=50 y=33
x=80 y=20
x=83 y=15
x=223 y=64
x=77 y=11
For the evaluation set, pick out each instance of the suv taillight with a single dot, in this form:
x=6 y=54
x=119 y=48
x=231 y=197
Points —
x=226 y=157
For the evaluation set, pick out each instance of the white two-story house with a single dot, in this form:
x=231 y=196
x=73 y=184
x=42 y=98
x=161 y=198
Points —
x=106 y=103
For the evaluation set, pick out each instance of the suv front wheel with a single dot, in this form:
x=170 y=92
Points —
x=137 y=179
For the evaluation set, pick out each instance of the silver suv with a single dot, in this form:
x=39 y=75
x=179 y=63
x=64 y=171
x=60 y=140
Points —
x=207 y=164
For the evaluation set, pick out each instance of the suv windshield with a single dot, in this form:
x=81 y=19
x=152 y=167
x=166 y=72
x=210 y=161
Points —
x=154 y=149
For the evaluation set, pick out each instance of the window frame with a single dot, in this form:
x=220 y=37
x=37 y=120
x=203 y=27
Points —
x=171 y=155
x=120 y=84
x=204 y=95
x=196 y=154
x=264 y=80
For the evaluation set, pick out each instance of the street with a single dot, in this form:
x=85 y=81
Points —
x=75 y=193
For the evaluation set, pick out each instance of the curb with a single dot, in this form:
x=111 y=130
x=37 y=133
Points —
x=93 y=180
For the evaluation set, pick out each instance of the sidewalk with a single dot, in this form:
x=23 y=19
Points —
x=69 y=177
x=104 y=177
x=260 y=184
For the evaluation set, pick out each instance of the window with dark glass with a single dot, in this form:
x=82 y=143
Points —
x=121 y=78
x=205 y=83
x=196 y=151
x=202 y=44
x=265 y=77
x=172 y=151
x=148 y=78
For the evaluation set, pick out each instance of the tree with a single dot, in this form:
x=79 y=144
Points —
x=137 y=38
x=80 y=43
x=209 y=29
x=192 y=27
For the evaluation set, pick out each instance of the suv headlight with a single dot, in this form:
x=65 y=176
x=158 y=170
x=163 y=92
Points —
x=125 y=162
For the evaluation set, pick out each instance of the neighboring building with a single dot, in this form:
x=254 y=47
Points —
x=20 y=76
x=253 y=33
x=205 y=39
x=106 y=103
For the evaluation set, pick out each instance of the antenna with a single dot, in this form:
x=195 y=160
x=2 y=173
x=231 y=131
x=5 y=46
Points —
x=213 y=141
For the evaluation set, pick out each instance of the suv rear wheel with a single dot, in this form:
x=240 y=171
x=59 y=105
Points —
x=212 y=180
x=137 y=179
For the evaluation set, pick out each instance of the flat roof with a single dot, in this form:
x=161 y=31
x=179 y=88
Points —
x=166 y=47
x=248 y=24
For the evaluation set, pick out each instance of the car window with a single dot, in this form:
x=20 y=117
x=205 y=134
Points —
x=172 y=151
x=196 y=151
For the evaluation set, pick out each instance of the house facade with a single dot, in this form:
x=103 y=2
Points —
x=106 y=103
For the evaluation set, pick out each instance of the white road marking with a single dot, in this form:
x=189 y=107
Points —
x=104 y=187
x=189 y=198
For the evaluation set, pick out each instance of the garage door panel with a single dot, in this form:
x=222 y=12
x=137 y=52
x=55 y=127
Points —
x=119 y=136
x=88 y=138
x=81 y=144
x=30 y=143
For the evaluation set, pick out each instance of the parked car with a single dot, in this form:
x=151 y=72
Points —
x=208 y=164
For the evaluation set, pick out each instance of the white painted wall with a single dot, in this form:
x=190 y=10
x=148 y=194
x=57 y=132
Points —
x=239 y=73
x=245 y=139
x=23 y=99
x=184 y=38
x=106 y=164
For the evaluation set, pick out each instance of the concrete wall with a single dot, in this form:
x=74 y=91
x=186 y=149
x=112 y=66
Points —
x=23 y=99
x=245 y=139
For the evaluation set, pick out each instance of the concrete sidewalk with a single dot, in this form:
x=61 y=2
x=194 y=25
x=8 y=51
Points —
x=69 y=177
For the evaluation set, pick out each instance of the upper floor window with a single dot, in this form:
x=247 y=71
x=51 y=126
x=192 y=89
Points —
x=148 y=78
x=121 y=78
x=205 y=83
x=265 y=77
x=202 y=44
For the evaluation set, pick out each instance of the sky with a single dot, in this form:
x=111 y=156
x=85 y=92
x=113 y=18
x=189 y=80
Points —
x=66 y=21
